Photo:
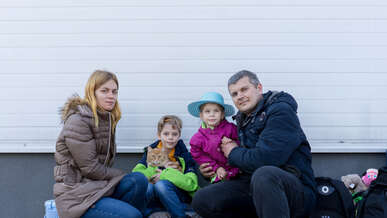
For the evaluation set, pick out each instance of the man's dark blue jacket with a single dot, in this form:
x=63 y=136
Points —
x=272 y=136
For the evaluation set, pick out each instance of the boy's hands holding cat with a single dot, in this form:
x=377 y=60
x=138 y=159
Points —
x=172 y=164
x=155 y=178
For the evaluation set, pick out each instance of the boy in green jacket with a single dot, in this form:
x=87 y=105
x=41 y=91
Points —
x=175 y=183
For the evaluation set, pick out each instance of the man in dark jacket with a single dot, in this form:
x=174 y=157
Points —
x=274 y=157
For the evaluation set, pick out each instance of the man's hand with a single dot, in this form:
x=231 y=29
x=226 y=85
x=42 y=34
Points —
x=206 y=170
x=226 y=148
x=226 y=140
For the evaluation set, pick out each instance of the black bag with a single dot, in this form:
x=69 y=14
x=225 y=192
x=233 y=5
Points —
x=333 y=200
x=374 y=202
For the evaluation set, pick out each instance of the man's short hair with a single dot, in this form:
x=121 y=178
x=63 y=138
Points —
x=253 y=79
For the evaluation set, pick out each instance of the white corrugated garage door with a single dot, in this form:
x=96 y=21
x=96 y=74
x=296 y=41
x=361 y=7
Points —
x=331 y=55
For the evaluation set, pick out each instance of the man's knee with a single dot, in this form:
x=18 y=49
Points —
x=200 y=200
x=265 y=172
x=265 y=176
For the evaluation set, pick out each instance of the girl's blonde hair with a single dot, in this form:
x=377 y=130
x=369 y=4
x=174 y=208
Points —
x=96 y=80
x=173 y=120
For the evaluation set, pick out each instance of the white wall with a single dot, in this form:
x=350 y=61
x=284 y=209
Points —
x=330 y=54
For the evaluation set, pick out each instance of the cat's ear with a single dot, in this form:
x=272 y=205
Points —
x=149 y=148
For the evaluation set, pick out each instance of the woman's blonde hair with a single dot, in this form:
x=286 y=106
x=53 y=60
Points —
x=96 y=80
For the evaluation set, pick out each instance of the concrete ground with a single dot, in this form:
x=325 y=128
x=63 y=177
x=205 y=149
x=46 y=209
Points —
x=26 y=179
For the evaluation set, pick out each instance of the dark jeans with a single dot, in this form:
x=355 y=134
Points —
x=269 y=193
x=165 y=194
x=127 y=201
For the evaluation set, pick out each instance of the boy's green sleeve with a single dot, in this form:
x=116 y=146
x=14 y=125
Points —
x=187 y=182
x=147 y=171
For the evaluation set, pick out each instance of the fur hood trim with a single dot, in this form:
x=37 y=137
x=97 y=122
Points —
x=75 y=104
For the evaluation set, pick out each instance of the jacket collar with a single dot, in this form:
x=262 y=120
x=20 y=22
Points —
x=207 y=130
x=178 y=148
x=243 y=119
x=75 y=104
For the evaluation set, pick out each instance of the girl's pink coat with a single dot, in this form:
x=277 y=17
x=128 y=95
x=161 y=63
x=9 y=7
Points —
x=205 y=146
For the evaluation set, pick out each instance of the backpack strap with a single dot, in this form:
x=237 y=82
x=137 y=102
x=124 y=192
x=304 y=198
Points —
x=386 y=158
x=346 y=198
x=360 y=204
x=381 y=183
x=383 y=179
x=385 y=203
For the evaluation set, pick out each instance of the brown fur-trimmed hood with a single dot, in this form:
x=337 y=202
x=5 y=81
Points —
x=75 y=104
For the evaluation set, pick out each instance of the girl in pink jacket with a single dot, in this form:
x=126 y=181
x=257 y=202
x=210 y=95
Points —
x=215 y=130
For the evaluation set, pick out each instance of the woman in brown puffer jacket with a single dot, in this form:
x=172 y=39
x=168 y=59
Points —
x=86 y=184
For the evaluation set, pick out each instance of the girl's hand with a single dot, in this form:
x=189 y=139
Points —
x=221 y=173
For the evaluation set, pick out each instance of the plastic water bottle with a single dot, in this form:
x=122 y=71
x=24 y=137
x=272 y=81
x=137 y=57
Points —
x=50 y=209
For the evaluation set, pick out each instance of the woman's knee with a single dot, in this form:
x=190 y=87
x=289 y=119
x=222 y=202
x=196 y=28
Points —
x=130 y=182
x=109 y=207
x=137 y=179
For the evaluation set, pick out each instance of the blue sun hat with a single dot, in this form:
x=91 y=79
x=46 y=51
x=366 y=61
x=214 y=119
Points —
x=210 y=97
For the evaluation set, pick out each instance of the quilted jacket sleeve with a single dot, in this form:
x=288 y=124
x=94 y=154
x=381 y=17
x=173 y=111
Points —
x=82 y=146
x=187 y=181
x=147 y=171
x=199 y=155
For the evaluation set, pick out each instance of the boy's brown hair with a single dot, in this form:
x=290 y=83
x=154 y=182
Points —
x=173 y=120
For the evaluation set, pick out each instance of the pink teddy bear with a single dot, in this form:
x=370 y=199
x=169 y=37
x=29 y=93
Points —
x=370 y=176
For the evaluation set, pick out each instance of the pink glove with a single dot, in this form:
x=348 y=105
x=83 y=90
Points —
x=370 y=176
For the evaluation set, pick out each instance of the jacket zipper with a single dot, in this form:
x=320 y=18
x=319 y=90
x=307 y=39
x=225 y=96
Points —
x=110 y=134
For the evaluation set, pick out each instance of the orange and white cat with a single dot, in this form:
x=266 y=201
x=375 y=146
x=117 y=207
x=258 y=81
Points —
x=157 y=157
